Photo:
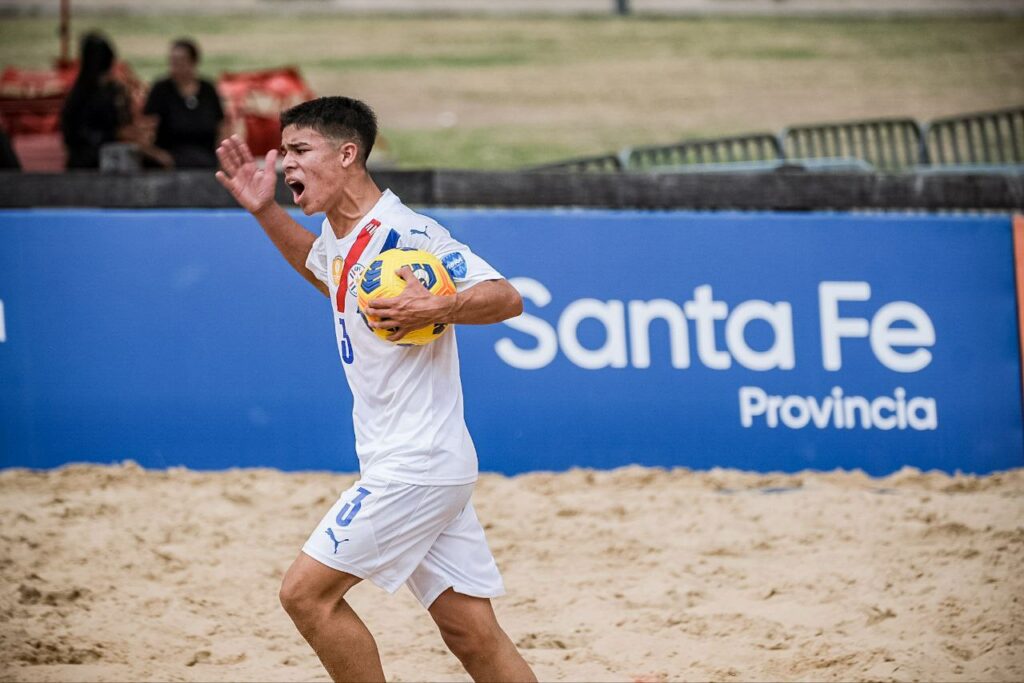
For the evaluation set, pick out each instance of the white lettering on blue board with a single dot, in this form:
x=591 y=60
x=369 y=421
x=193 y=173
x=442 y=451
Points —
x=838 y=411
x=899 y=333
x=883 y=336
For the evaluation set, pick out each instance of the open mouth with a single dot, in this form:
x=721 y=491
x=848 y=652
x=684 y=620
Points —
x=297 y=188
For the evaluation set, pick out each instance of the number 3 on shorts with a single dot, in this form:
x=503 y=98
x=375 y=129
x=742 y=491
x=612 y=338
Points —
x=349 y=511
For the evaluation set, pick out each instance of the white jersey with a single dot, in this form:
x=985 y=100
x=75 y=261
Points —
x=406 y=400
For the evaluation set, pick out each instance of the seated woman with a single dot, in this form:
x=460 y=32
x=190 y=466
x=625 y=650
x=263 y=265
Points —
x=98 y=108
x=188 y=111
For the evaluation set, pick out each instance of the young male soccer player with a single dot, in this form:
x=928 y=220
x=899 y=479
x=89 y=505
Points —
x=409 y=518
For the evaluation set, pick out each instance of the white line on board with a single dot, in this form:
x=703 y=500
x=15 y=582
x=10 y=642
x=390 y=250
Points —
x=3 y=325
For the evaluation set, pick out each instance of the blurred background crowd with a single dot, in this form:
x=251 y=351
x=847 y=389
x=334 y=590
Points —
x=91 y=110
x=182 y=119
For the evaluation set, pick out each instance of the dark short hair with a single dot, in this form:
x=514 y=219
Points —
x=189 y=46
x=341 y=118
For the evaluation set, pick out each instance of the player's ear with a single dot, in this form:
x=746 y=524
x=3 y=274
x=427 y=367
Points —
x=349 y=154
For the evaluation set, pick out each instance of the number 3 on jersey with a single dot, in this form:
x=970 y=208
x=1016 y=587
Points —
x=345 y=343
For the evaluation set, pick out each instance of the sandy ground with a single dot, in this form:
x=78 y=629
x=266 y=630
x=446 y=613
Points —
x=116 y=573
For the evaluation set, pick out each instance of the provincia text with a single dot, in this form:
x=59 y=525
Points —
x=837 y=410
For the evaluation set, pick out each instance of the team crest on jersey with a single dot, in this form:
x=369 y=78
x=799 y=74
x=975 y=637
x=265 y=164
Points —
x=455 y=264
x=337 y=266
x=353 y=277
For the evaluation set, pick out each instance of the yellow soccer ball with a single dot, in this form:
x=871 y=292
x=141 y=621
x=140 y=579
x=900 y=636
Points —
x=380 y=281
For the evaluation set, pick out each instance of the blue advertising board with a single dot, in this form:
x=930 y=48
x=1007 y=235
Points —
x=757 y=341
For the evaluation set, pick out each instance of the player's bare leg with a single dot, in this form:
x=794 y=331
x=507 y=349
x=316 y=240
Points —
x=314 y=597
x=471 y=631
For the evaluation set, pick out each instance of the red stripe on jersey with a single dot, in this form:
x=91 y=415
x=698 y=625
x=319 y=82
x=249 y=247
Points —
x=354 y=252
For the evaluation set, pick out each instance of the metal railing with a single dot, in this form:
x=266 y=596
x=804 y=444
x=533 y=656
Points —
x=756 y=147
x=594 y=164
x=886 y=144
x=983 y=142
x=993 y=137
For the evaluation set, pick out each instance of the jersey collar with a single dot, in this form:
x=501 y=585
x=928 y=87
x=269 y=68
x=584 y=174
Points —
x=386 y=201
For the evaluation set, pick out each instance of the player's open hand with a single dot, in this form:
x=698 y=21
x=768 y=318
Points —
x=414 y=308
x=251 y=186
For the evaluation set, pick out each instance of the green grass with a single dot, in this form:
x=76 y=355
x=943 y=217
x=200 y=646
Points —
x=400 y=62
x=770 y=52
x=506 y=92
x=486 y=147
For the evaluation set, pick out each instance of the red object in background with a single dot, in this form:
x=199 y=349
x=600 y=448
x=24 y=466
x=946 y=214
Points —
x=40 y=152
x=257 y=98
x=31 y=100
x=30 y=104
x=37 y=82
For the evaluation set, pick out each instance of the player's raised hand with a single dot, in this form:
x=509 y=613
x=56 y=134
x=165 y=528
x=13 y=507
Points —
x=251 y=186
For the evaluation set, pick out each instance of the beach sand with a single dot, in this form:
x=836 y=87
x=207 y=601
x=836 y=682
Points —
x=119 y=573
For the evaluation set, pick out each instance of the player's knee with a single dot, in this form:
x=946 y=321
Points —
x=471 y=641
x=295 y=599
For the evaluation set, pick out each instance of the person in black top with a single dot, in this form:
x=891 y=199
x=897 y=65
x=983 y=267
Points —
x=8 y=159
x=98 y=108
x=188 y=111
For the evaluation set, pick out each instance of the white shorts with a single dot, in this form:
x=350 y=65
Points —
x=427 y=537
